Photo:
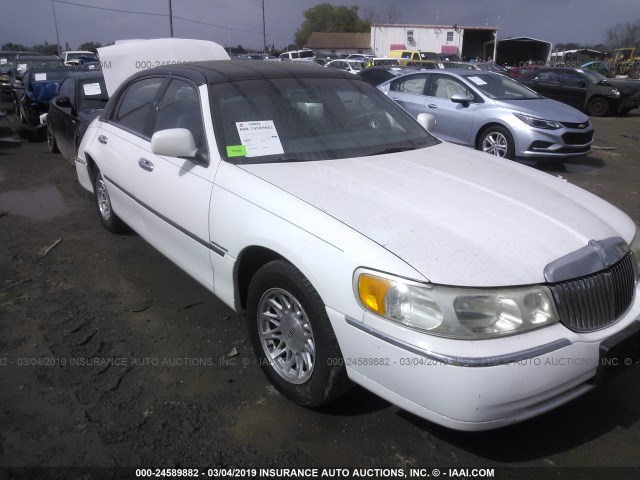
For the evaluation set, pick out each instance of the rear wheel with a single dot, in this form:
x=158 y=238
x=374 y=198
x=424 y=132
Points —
x=103 y=204
x=292 y=336
x=598 y=107
x=498 y=141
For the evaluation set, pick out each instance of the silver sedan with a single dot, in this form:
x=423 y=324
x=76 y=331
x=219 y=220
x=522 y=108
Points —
x=493 y=113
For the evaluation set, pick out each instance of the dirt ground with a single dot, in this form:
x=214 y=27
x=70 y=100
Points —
x=112 y=357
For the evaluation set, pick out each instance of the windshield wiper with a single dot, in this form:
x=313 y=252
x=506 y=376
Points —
x=391 y=150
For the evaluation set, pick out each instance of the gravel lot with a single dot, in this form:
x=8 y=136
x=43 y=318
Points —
x=111 y=356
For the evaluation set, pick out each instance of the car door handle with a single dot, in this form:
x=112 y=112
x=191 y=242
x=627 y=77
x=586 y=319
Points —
x=102 y=139
x=432 y=105
x=145 y=164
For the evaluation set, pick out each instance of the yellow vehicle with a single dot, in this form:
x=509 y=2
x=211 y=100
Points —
x=625 y=63
x=406 y=56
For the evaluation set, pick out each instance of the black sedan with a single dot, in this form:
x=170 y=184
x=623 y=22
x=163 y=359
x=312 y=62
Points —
x=81 y=98
x=377 y=75
x=584 y=89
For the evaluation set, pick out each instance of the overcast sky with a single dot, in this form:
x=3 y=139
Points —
x=30 y=22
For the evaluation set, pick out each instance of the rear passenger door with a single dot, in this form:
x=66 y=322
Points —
x=408 y=92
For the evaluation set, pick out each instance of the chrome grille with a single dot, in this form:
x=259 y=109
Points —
x=596 y=301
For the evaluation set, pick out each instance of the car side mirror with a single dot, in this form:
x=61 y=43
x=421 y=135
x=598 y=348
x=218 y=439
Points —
x=64 y=102
x=459 y=98
x=174 y=142
x=427 y=121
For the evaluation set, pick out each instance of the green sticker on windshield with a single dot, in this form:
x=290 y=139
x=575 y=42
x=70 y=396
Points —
x=236 y=151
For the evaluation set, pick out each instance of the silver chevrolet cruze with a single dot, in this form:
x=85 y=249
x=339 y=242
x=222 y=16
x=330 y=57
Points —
x=493 y=113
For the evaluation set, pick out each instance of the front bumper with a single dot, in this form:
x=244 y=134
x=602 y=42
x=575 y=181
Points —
x=560 y=143
x=478 y=385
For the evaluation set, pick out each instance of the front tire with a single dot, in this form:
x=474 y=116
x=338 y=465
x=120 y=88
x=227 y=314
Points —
x=597 y=107
x=103 y=204
x=52 y=145
x=498 y=141
x=292 y=336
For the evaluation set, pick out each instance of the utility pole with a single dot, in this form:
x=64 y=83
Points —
x=170 y=20
x=264 y=31
x=55 y=22
x=495 y=41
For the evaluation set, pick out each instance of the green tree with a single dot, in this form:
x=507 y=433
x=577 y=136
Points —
x=15 y=47
x=90 y=46
x=624 y=35
x=46 y=49
x=324 y=17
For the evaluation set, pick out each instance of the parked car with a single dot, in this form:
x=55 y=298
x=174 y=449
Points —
x=81 y=98
x=304 y=55
x=28 y=61
x=377 y=75
x=7 y=63
x=351 y=66
x=78 y=57
x=39 y=87
x=493 y=113
x=585 y=89
x=361 y=247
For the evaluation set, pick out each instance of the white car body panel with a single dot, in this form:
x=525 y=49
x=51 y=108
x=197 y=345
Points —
x=455 y=192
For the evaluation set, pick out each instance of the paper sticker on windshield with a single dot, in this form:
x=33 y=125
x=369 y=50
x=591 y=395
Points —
x=259 y=138
x=3 y=61
x=92 y=89
x=40 y=77
x=236 y=151
x=22 y=66
x=477 y=80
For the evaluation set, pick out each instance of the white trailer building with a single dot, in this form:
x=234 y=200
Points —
x=464 y=41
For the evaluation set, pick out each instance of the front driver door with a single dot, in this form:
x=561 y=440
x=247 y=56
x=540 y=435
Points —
x=175 y=193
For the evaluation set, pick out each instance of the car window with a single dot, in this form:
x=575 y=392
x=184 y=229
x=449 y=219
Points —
x=307 y=119
x=413 y=84
x=180 y=108
x=570 y=79
x=67 y=88
x=499 y=87
x=445 y=86
x=92 y=94
x=547 y=76
x=137 y=102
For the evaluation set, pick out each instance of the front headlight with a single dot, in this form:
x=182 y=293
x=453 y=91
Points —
x=454 y=312
x=635 y=248
x=538 y=122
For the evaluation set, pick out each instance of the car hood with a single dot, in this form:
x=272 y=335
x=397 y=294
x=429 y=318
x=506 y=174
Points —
x=545 y=108
x=458 y=216
x=627 y=87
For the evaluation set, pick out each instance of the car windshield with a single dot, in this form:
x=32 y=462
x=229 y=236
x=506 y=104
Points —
x=47 y=75
x=593 y=76
x=309 y=119
x=499 y=87
x=93 y=94
x=357 y=65
x=76 y=56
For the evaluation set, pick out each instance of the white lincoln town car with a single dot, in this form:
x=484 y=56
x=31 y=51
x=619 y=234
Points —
x=469 y=290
